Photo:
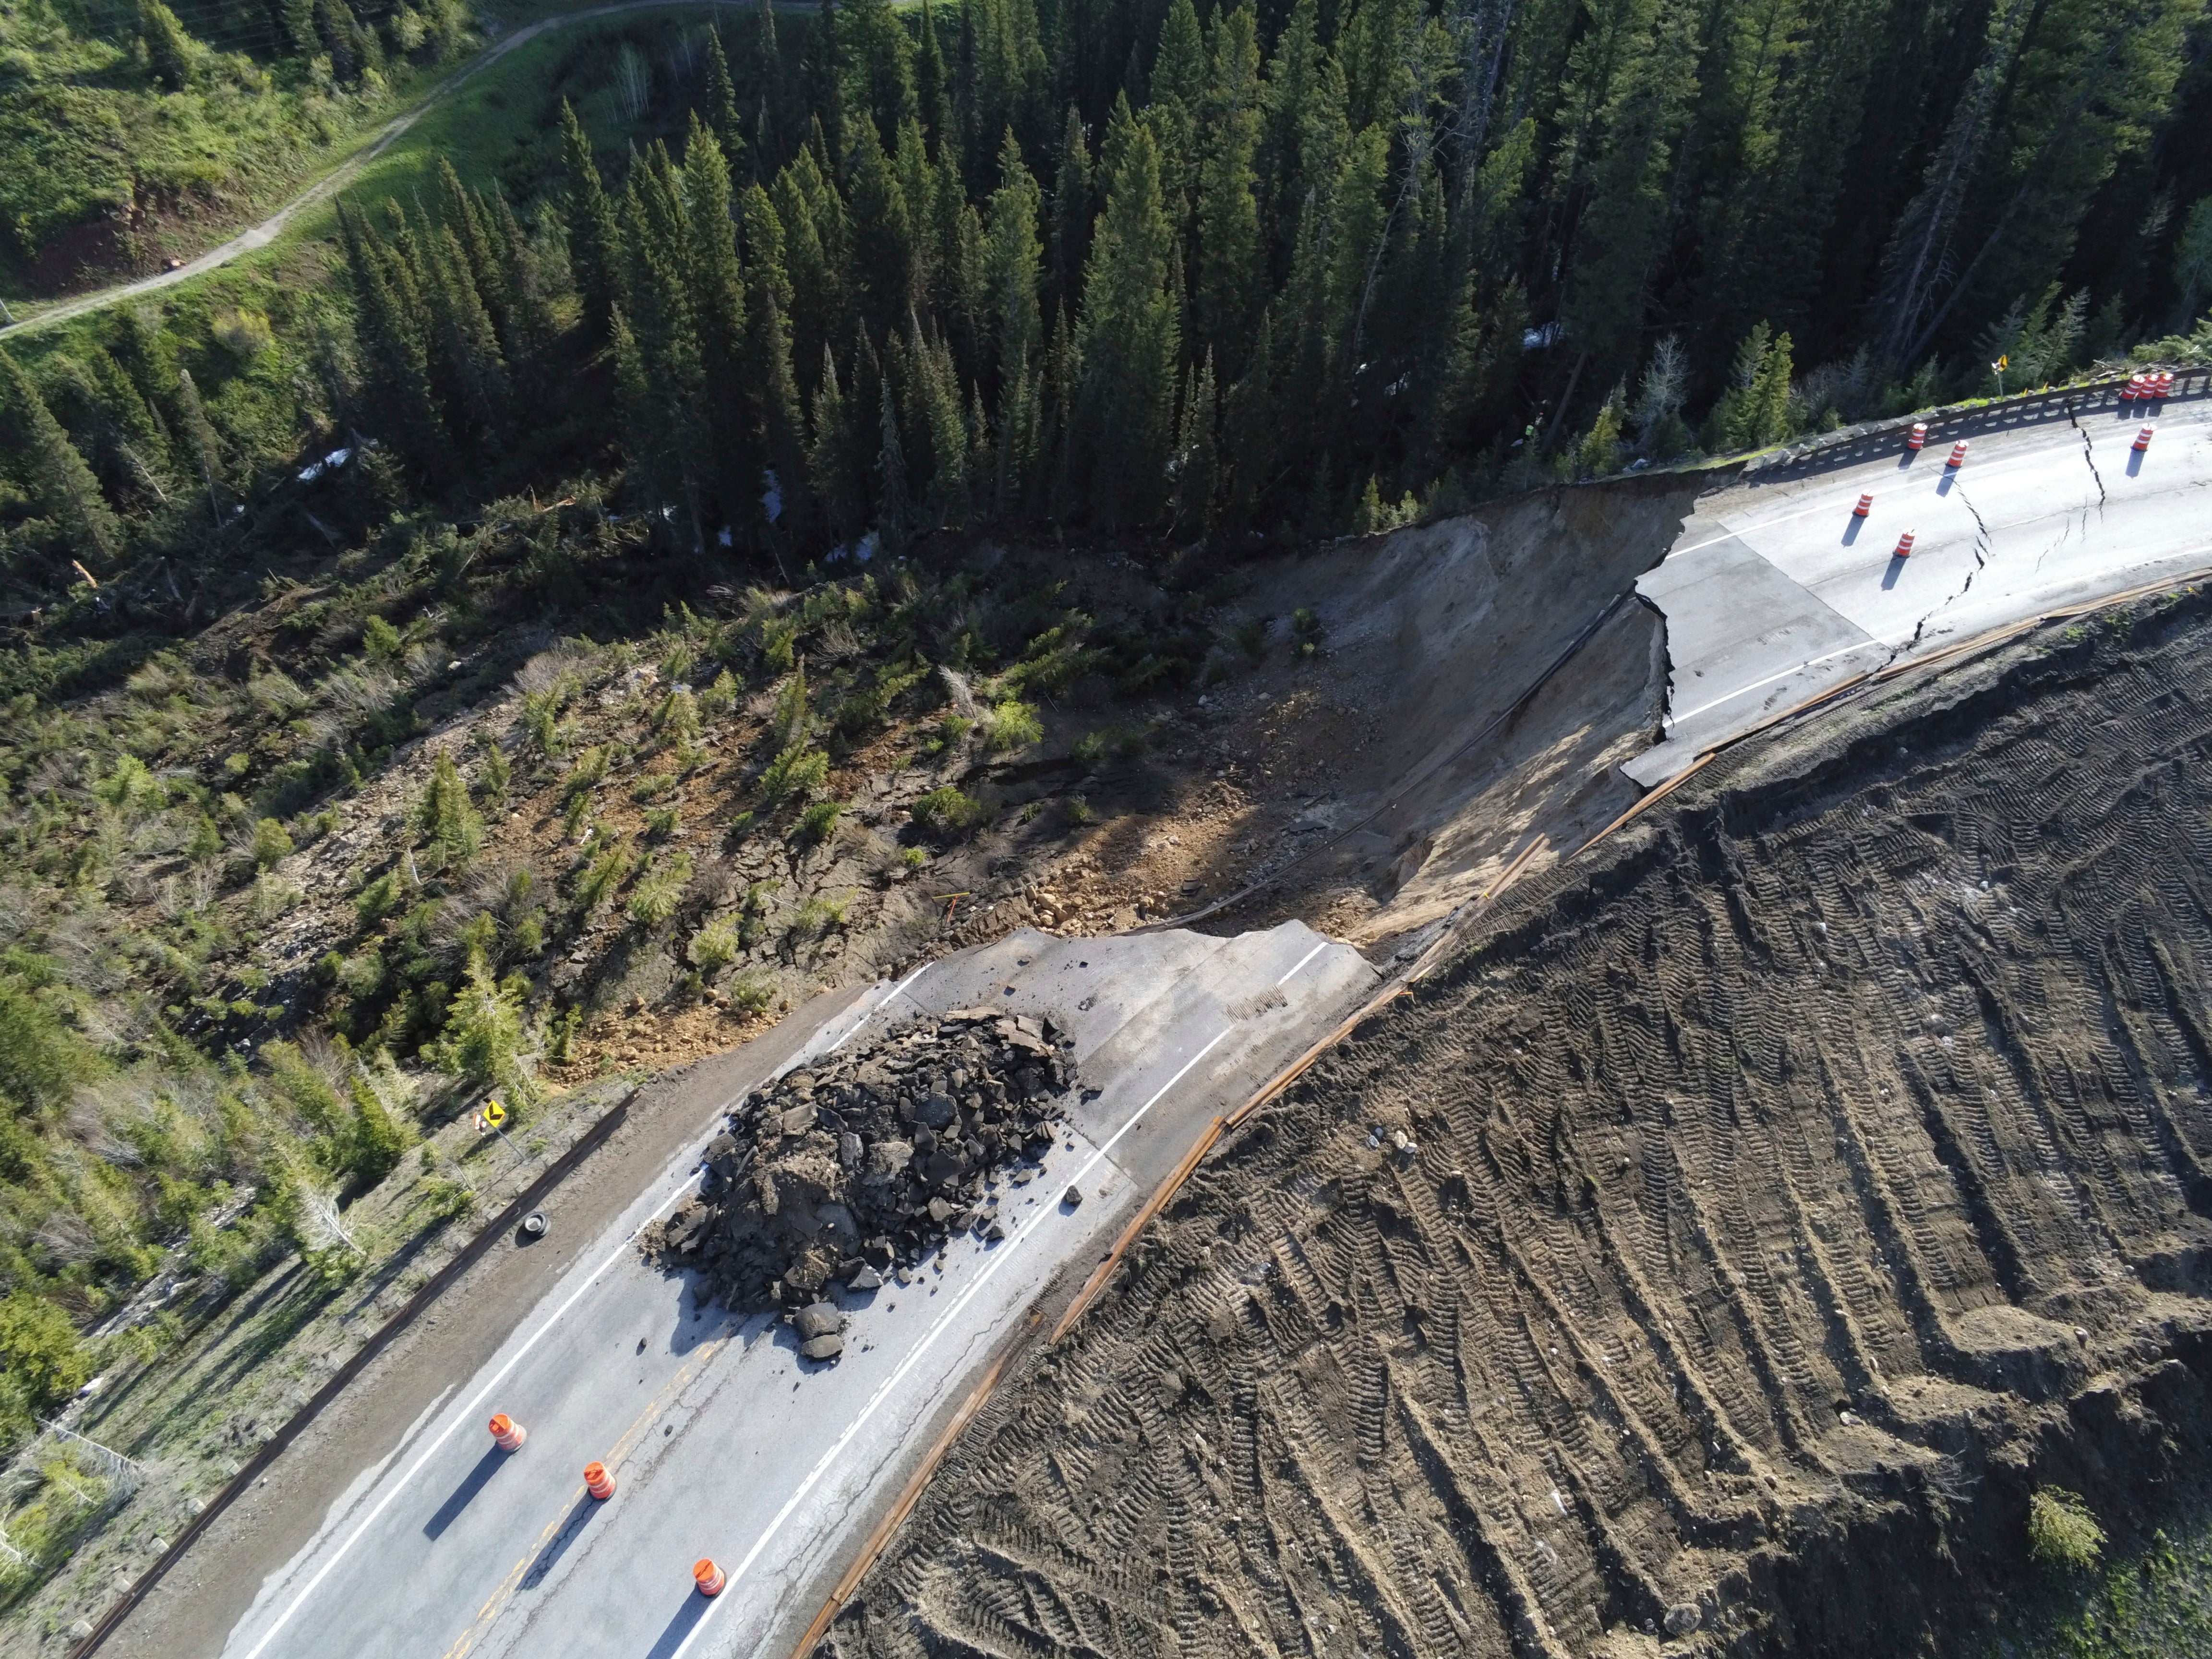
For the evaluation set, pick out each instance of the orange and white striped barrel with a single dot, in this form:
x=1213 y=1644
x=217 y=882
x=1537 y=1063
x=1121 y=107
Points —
x=507 y=1434
x=1865 y=506
x=1918 y=436
x=1904 y=545
x=1958 y=454
x=2143 y=439
x=599 y=1482
x=2132 y=390
x=708 y=1576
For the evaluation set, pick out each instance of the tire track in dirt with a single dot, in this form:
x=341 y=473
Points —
x=1721 y=1250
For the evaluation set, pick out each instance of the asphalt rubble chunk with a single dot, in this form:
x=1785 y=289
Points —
x=860 y=1164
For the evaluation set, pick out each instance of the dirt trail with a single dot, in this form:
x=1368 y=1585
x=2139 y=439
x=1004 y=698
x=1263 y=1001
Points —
x=1713 y=1261
x=261 y=235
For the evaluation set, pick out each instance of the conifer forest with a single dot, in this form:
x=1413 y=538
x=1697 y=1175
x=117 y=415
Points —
x=676 y=396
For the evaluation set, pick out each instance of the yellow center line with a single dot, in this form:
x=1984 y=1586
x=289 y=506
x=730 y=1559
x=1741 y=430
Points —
x=496 y=1603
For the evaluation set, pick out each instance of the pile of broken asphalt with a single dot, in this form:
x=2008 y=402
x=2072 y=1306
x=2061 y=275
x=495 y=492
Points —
x=860 y=1164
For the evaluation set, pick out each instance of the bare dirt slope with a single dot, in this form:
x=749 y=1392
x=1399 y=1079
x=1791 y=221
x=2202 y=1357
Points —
x=1715 y=1258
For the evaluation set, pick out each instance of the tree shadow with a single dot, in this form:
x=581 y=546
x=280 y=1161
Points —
x=459 y=1498
x=681 y=1626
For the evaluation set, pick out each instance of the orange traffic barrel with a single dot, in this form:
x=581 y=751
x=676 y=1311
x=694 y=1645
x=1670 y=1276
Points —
x=1904 y=546
x=1958 y=454
x=1865 y=506
x=1919 y=435
x=2132 y=390
x=708 y=1577
x=599 y=1482
x=507 y=1434
x=2164 y=381
x=2143 y=438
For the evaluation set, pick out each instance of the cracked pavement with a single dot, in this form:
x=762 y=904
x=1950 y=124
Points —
x=1773 y=594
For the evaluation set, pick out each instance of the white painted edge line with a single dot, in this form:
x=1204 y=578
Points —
x=1861 y=645
x=1301 y=962
x=884 y=1389
x=463 y=1416
x=500 y=1376
x=2010 y=464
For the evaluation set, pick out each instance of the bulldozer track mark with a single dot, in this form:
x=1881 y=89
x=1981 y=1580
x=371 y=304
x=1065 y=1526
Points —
x=1786 y=1170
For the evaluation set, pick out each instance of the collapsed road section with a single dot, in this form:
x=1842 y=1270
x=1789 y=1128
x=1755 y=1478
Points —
x=717 y=1440
x=1777 y=592
x=1715 y=1259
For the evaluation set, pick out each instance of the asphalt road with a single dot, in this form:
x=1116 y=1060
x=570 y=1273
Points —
x=722 y=1440
x=1774 y=593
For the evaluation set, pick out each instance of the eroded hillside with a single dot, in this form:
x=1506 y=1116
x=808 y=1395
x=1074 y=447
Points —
x=1716 y=1257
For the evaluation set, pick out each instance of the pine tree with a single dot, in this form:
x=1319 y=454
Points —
x=718 y=304
x=1012 y=259
x=826 y=78
x=462 y=213
x=1230 y=276
x=722 y=102
x=890 y=476
x=1649 y=87
x=1125 y=343
x=815 y=276
x=467 y=364
x=840 y=487
x=1196 y=462
x=529 y=314
x=1071 y=213
x=61 y=483
x=883 y=234
x=1178 y=93
x=391 y=337
x=933 y=86
x=594 y=252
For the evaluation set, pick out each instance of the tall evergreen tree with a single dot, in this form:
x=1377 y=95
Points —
x=594 y=253
x=720 y=97
x=1230 y=290
x=392 y=337
x=717 y=302
x=1126 y=341
x=61 y=483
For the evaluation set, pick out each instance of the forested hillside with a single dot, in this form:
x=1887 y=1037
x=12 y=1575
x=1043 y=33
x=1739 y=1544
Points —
x=762 y=288
x=117 y=114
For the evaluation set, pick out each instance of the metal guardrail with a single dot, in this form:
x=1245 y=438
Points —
x=466 y=1257
x=1995 y=412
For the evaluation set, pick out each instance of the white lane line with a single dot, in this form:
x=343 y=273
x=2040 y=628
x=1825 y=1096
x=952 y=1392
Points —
x=1985 y=469
x=500 y=1376
x=1745 y=691
x=1303 y=960
x=2057 y=587
x=884 y=1390
x=860 y=1023
x=467 y=1412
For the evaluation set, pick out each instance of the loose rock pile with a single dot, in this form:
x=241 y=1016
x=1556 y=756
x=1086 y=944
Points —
x=861 y=1163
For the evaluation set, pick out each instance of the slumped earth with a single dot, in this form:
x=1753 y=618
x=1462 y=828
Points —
x=1715 y=1258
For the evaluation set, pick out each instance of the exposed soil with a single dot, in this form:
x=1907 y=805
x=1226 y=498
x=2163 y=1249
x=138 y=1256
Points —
x=865 y=1161
x=1712 y=1259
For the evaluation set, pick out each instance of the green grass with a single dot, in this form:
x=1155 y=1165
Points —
x=2156 y=1604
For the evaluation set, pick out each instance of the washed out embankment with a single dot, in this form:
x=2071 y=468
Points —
x=1716 y=1258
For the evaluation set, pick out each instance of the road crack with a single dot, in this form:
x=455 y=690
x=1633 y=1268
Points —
x=2088 y=452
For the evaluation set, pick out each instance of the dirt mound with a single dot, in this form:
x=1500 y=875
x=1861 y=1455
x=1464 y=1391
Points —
x=865 y=1160
x=1715 y=1260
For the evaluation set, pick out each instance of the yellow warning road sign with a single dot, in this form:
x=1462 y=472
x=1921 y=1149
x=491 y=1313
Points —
x=493 y=1112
